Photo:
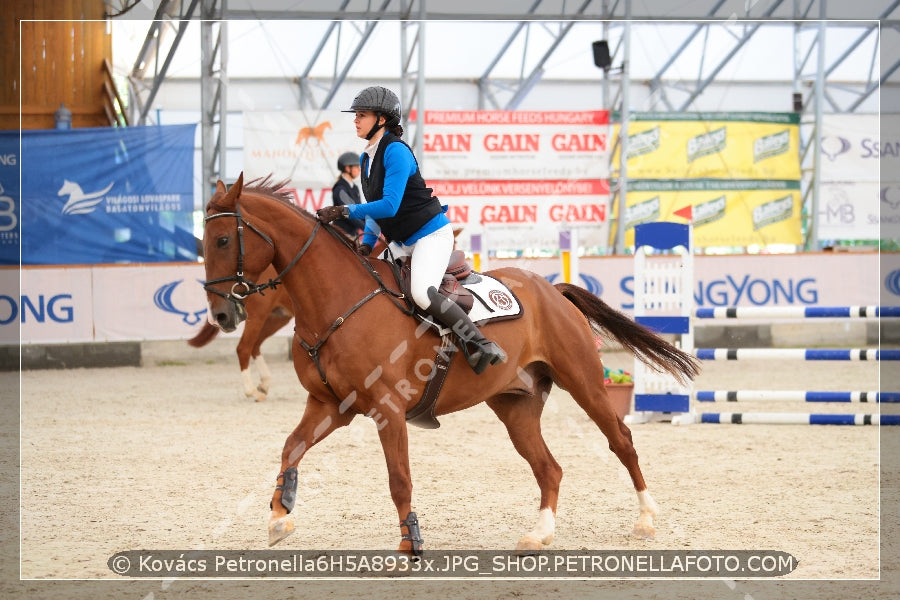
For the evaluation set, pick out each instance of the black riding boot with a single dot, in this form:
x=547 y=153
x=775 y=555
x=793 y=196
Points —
x=478 y=351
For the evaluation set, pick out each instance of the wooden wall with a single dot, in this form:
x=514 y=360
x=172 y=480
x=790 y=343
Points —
x=61 y=62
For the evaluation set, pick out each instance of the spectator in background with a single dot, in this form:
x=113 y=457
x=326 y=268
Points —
x=346 y=193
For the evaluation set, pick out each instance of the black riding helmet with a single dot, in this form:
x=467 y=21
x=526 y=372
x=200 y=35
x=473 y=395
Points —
x=347 y=159
x=381 y=101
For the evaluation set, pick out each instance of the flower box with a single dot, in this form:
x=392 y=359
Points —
x=620 y=395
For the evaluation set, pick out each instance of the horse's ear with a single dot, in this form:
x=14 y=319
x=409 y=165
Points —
x=234 y=191
x=220 y=187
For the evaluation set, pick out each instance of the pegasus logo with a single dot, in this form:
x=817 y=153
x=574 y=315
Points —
x=317 y=132
x=832 y=147
x=162 y=298
x=80 y=203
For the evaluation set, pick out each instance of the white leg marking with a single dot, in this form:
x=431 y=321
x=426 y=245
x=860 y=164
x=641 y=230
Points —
x=648 y=509
x=545 y=528
x=247 y=382
x=265 y=375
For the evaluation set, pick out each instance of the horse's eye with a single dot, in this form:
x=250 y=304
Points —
x=222 y=242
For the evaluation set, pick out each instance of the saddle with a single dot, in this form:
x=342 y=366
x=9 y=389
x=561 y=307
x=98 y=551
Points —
x=495 y=302
x=458 y=270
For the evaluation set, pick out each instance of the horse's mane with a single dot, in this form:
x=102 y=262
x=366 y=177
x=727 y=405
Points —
x=269 y=188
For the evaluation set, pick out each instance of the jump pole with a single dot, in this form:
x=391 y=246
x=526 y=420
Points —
x=796 y=354
x=794 y=396
x=761 y=418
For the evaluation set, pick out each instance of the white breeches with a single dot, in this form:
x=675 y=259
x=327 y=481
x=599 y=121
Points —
x=428 y=263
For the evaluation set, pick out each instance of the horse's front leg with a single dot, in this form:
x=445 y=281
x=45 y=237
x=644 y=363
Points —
x=319 y=419
x=395 y=444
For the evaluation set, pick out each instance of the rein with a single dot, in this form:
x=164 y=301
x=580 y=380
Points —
x=242 y=287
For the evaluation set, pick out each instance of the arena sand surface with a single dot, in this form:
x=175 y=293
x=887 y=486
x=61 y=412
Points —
x=171 y=456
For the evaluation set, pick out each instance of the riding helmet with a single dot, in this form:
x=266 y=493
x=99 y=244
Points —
x=379 y=100
x=347 y=159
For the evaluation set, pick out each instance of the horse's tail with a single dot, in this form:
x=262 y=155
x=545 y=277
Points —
x=204 y=336
x=649 y=347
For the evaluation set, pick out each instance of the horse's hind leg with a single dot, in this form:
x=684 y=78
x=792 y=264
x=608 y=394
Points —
x=319 y=419
x=593 y=398
x=577 y=368
x=277 y=319
x=522 y=417
x=246 y=347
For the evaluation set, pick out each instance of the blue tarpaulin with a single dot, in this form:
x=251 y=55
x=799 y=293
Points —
x=104 y=195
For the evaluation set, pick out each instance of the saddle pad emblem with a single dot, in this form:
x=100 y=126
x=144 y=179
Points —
x=501 y=299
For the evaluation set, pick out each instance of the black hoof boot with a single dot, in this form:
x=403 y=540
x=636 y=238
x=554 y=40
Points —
x=413 y=533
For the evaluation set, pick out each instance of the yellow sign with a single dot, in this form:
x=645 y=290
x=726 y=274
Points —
x=716 y=145
x=725 y=213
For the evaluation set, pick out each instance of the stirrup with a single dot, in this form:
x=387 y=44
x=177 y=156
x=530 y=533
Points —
x=486 y=353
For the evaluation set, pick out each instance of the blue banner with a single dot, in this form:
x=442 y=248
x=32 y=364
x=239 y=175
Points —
x=9 y=198
x=108 y=195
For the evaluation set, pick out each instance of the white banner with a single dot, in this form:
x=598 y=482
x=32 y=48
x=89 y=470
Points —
x=849 y=211
x=504 y=144
x=107 y=304
x=172 y=299
x=9 y=305
x=55 y=306
x=517 y=176
x=889 y=151
x=517 y=214
x=167 y=301
x=301 y=147
x=850 y=148
x=821 y=279
x=859 y=195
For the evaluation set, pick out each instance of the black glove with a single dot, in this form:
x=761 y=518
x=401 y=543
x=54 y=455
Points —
x=332 y=213
x=364 y=249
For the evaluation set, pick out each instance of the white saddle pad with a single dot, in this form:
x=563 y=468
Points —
x=493 y=300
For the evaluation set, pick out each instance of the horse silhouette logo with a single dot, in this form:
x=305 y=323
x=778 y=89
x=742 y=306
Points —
x=832 y=147
x=80 y=203
x=317 y=132
x=162 y=298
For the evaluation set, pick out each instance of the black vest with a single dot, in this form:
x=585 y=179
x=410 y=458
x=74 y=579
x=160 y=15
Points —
x=417 y=206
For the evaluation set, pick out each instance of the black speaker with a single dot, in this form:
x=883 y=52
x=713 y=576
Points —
x=797 y=98
x=601 y=54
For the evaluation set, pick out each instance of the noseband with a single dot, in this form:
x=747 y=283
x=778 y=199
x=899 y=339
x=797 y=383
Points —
x=242 y=287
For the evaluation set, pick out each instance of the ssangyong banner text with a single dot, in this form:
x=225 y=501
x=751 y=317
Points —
x=167 y=301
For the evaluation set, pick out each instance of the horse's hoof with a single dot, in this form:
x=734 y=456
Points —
x=259 y=397
x=280 y=529
x=643 y=532
x=529 y=544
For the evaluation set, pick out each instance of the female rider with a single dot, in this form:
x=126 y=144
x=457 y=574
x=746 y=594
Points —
x=409 y=217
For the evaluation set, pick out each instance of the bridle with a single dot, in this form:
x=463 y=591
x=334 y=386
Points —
x=243 y=287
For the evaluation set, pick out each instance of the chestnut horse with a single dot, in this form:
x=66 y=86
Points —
x=266 y=314
x=357 y=351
